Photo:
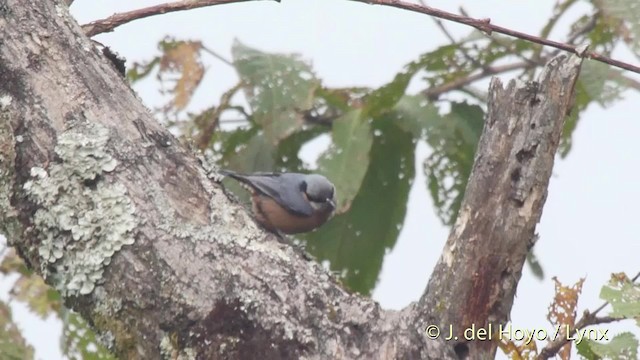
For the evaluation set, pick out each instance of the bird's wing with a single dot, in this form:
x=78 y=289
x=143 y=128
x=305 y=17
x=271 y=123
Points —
x=283 y=188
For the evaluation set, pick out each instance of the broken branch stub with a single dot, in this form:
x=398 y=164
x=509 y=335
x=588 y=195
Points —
x=475 y=280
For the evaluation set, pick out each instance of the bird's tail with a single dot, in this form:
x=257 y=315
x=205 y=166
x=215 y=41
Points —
x=224 y=172
x=234 y=175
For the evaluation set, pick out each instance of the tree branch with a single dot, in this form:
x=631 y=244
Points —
x=110 y=23
x=434 y=92
x=106 y=25
x=486 y=26
x=482 y=261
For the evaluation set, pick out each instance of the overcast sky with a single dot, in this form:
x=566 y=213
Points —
x=589 y=226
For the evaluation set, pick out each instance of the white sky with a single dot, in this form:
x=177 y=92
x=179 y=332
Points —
x=589 y=227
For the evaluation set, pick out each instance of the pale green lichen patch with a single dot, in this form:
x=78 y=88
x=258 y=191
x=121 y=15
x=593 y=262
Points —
x=82 y=220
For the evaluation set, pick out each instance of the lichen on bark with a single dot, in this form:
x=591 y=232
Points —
x=82 y=220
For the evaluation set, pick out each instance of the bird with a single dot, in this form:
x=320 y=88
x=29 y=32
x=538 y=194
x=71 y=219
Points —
x=290 y=203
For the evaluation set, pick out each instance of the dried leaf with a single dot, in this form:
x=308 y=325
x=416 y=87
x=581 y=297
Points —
x=183 y=58
x=279 y=88
x=524 y=351
x=562 y=312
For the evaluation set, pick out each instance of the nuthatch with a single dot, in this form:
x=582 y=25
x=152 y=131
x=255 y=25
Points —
x=289 y=202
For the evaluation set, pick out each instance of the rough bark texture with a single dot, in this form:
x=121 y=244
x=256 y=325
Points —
x=482 y=260
x=126 y=223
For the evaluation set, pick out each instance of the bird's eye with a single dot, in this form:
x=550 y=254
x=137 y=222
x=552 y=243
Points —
x=303 y=187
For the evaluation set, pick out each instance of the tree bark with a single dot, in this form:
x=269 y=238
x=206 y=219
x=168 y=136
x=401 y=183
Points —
x=475 y=280
x=125 y=222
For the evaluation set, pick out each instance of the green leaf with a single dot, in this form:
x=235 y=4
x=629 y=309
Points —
x=622 y=347
x=534 y=265
x=448 y=168
x=416 y=115
x=12 y=263
x=624 y=16
x=232 y=141
x=347 y=159
x=12 y=344
x=140 y=71
x=39 y=297
x=79 y=341
x=287 y=152
x=559 y=9
x=602 y=37
x=385 y=98
x=446 y=63
x=29 y=288
x=624 y=297
x=278 y=87
x=584 y=350
x=355 y=242
x=597 y=83
x=454 y=139
x=341 y=99
x=247 y=150
x=454 y=61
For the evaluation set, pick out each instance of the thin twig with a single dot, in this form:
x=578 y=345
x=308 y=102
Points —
x=464 y=51
x=233 y=121
x=587 y=319
x=106 y=25
x=486 y=26
x=434 y=92
x=241 y=110
x=453 y=41
x=504 y=44
x=527 y=64
x=470 y=58
x=217 y=56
